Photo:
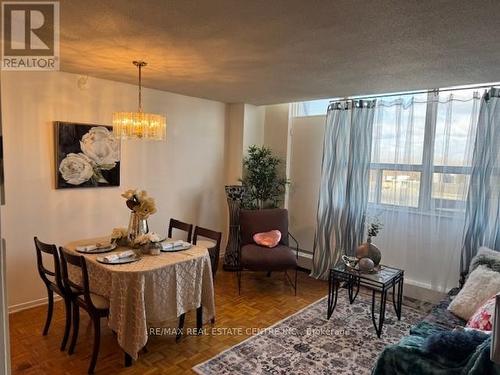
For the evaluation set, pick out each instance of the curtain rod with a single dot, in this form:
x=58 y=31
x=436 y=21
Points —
x=374 y=96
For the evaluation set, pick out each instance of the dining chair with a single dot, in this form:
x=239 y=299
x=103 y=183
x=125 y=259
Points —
x=96 y=306
x=213 y=246
x=177 y=224
x=54 y=284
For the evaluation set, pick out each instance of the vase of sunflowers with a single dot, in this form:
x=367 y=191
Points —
x=141 y=207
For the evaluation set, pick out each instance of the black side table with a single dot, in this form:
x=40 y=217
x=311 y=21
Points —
x=381 y=282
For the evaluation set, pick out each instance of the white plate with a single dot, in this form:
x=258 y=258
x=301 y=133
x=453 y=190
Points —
x=99 y=250
x=130 y=259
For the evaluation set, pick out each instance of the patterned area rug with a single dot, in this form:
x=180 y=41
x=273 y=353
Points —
x=307 y=343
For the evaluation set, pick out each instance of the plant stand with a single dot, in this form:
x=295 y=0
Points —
x=234 y=195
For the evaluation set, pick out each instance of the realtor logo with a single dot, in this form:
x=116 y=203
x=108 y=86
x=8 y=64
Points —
x=30 y=34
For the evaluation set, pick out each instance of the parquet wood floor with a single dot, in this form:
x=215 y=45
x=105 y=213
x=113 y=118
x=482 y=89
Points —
x=263 y=302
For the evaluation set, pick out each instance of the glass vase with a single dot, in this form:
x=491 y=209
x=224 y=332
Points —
x=136 y=227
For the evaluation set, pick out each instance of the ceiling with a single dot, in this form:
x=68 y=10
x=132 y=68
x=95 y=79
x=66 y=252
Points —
x=275 y=51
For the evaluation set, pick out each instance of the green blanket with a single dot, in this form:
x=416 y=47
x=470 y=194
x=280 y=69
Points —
x=408 y=357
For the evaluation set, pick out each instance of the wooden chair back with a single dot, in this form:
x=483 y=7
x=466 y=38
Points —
x=215 y=251
x=77 y=261
x=50 y=249
x=207 y=233
x=177 y=224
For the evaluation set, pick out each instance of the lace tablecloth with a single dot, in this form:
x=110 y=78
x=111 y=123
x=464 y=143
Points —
x=150 y=291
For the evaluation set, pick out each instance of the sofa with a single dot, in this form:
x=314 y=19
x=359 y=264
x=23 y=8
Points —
x=412 y=355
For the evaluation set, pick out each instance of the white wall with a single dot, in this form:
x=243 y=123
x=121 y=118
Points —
x=185 y=174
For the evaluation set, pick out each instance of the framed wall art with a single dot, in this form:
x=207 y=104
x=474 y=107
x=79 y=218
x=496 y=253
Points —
x=86 y=155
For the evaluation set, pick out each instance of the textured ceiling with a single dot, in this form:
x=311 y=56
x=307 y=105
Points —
x=275 y=51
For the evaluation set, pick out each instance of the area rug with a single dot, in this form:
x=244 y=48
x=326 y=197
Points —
x=307 y=343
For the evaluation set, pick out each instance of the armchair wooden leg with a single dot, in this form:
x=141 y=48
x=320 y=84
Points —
x=50 y=310
x=67 y=327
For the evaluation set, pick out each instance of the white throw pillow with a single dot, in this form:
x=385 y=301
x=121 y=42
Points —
x=481 y=285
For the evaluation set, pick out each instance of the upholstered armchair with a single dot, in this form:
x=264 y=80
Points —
x=253 y=257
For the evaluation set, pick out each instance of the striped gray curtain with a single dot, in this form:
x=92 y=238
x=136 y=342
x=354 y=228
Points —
x=482 y=217
x=343 y=194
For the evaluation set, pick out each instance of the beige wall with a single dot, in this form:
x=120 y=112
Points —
x=253 y=126
x=305 y=175
x=276 y=129
x=245 y=127
x=185 y=174
x=234 y=142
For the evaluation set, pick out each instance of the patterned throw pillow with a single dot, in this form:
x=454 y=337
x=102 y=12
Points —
x=483 y=317
x=268 y=239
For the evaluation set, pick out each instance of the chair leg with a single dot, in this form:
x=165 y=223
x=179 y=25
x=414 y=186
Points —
x=268 y=273
x=97 y=342
x=76 y=326
x=67 y=326
x=50 y=310
x=199 y=320
x=181 y=327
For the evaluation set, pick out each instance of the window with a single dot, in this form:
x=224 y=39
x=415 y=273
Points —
x=422 y=150
x=422 y=147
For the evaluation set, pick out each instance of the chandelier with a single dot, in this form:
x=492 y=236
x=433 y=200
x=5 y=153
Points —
x=139 y=125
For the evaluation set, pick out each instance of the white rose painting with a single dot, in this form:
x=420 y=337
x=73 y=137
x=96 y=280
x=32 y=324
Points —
x=86 y=155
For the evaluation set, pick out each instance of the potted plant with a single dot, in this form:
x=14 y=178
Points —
x=264 y=187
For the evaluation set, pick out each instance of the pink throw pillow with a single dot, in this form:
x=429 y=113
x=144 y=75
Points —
x=483 y=317
x=267 y=239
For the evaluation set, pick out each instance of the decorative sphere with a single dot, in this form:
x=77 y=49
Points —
x=366 y=264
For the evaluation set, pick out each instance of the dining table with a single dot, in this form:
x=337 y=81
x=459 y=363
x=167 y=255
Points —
x=150 y=292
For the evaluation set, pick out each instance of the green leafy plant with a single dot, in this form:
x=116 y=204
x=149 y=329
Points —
x=265 y=188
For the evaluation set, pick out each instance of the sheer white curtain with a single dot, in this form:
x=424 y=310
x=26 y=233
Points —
x=420 y=170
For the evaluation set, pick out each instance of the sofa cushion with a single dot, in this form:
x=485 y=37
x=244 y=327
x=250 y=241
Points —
x=258 y=258
x=481 y=285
